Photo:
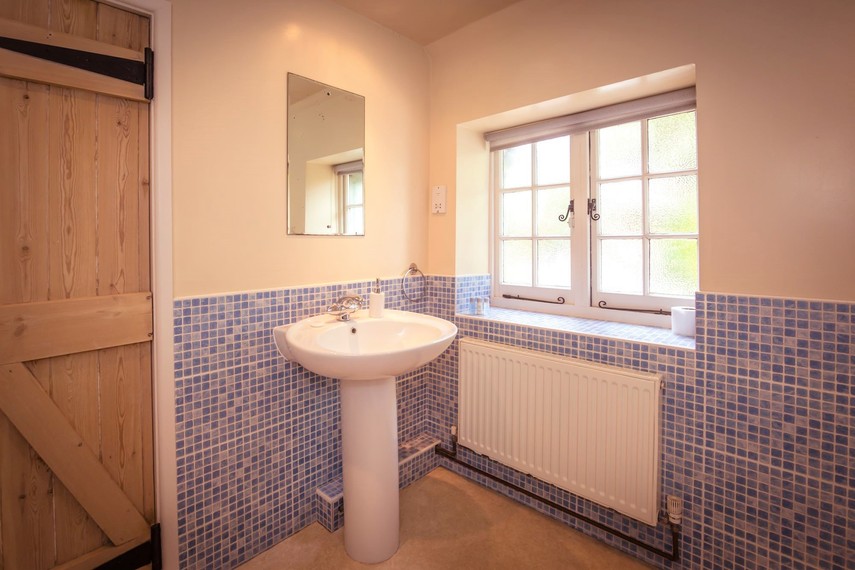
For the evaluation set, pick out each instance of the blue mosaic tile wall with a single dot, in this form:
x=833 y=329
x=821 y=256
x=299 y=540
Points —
x=756 y=432
x=779 y=431
x=257 y=435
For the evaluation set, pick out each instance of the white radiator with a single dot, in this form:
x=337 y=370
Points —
x=588 y=428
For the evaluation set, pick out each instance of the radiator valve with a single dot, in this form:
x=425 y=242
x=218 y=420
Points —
x=675 y=509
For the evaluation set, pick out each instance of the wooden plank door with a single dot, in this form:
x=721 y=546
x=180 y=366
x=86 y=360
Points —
x=76 y=444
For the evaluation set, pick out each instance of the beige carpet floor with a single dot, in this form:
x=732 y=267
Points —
x=450 y=522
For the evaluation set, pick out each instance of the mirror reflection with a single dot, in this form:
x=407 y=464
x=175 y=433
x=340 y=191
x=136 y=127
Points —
x=326 y=159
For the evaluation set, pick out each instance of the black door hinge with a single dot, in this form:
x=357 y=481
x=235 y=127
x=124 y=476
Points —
x=132 y=71
x=143 y=555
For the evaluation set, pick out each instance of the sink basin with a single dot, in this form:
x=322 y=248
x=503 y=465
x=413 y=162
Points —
x=366 y=354
x=365 y=348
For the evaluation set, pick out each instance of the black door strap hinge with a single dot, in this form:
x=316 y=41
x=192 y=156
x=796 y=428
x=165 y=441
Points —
x=146 y=554
x=132 y=71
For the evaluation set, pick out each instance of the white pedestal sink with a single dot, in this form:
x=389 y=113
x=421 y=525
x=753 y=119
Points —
x=366 y=354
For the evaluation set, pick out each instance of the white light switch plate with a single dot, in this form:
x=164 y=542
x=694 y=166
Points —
x=438 y=198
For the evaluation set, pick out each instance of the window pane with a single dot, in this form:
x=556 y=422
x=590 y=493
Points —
x=621 y=262
x=619 y=205
x=673 y=205
x=516 y=262
x=673 y=266
x=672 y=143
x=516 y=214
x=355 y=221
x=553 y=161
x=553 y=263
x=516 y=166
x=354 y=188
x=551 y=204
x=620 y=150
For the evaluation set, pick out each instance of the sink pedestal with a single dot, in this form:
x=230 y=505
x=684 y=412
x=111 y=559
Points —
x=366 y=354
x=369 y=438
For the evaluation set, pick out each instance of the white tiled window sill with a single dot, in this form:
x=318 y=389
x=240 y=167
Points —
x=606 y=329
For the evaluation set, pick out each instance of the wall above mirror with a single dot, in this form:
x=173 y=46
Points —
x=326 y=159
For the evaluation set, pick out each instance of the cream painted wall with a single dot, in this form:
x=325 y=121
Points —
x=230 y=62
x=776 y=113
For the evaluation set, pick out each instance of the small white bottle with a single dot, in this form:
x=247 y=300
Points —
x=376 y=301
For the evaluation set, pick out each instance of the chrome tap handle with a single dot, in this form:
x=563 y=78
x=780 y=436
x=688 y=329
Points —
x=352 y=302
x=345 y=306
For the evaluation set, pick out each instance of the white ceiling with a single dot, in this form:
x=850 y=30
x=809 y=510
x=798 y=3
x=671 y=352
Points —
x=425 y=21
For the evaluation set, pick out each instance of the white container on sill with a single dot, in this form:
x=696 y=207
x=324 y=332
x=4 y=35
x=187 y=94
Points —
x=683 y=321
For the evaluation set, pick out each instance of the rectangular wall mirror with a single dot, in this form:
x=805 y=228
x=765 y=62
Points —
x=326 y=159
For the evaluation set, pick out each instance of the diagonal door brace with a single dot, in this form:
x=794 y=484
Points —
x=138 y=72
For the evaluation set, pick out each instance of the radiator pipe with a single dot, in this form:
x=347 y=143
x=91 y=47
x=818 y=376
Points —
x=673 y=556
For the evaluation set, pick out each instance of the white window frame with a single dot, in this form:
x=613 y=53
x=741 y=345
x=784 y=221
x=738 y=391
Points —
x=581 y=299
x=577 y=297
x=646 y=301
x=343 y=173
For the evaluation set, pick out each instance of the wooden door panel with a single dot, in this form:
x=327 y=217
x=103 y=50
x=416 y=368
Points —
x=123 y=451
x=26 y=484
x=36 y=13
x=31 y=331
x=74 y=391
x=72 y=218
x=123 y=29
x=118 y=256
x=24 y=114
x=128 y=447
x=27 y=499
x=74 y=228
x=72 y=221
x=36 y=415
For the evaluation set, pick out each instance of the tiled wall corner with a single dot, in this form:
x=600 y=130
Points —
x=416 y=459
x=469 y=287
x=329 y=503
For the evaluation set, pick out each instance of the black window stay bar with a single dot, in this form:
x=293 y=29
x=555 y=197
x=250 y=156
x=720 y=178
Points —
x=138 y=72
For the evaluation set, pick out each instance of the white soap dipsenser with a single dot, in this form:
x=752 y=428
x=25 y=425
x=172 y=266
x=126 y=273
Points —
x=376 y=301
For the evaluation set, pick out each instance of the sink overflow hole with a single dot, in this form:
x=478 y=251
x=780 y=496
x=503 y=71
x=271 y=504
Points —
x=353 y=330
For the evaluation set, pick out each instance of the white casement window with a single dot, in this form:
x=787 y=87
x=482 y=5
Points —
x=598 y=211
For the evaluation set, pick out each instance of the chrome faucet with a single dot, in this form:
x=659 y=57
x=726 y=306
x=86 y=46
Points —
x=346 y=306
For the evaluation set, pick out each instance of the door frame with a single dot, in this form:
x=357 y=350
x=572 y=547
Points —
x=166 y=472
